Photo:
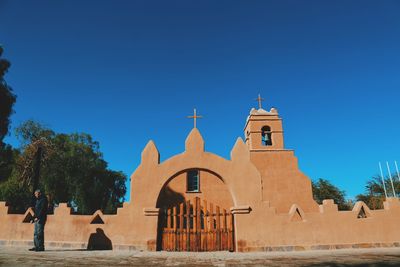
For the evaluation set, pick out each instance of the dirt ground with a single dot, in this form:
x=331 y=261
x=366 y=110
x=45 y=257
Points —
x=20 y=256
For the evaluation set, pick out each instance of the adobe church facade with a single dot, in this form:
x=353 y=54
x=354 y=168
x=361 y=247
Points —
x=258 y=200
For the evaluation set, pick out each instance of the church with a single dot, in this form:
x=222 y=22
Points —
x=257 y=200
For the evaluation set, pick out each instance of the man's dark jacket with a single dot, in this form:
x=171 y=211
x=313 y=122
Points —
x=41 y=209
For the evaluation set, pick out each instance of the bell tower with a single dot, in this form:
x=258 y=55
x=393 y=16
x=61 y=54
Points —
x=283 y=184
x=263 y=130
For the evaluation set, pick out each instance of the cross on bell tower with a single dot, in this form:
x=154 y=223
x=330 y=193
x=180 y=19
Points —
x=195 y=117
x=260 y=99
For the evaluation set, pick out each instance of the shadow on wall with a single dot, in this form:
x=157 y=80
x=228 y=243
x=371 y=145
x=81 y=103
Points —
x=99 y=241
x=168 y=198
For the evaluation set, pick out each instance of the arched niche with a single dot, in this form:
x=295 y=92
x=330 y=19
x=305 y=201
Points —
x=212 y=188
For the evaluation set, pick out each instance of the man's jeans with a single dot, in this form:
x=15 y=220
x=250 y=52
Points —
x=38 y=236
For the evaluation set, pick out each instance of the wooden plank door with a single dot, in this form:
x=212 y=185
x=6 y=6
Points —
x=192 y=227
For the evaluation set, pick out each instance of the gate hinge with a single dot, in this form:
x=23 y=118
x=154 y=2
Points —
x=245 y=209
x=151 y=211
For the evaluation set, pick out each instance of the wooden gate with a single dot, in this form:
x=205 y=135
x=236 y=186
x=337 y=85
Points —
x=195 y=227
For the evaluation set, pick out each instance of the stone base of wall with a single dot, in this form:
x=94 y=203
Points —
x=83 y=246
x=317 y=247
x=49 y=244
x=65 y=245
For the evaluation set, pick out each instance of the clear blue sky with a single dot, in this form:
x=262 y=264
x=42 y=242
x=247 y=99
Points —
x=130 y=71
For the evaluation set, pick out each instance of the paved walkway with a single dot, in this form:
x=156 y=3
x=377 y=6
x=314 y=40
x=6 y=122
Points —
x=20 y=256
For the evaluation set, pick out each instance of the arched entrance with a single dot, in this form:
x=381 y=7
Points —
x=194 y=213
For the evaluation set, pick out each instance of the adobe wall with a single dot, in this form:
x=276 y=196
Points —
x=61 y=227
x=326 y=229
x=280 y=173
x=295 y=223
x=121 y=231
x=260 y=230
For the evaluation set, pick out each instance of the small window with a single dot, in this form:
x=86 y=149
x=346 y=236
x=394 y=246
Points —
x=266 y=136
x=193 y=178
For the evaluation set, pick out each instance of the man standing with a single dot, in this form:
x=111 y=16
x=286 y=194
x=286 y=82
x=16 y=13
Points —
x=39 y=220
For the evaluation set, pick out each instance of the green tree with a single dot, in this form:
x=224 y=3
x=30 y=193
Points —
x=78 y=174
x=323 y=189
x=72 y=170
x=17 y=197
x=374 y=192
x=7 y=98
x=8 y=157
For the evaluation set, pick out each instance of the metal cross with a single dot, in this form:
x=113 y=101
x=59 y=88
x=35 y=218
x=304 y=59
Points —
x=194 y=117
x=259 y=99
